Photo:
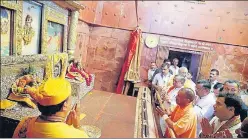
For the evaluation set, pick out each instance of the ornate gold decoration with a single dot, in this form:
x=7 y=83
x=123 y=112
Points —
x=57 y=17
x=4 y=23
x=54 y=59
x=28 y=31
x=73 y=32
x=17 y=6
x=133 y=73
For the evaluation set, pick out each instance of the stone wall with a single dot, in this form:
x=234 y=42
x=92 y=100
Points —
x=103 y=51
x=224 y=21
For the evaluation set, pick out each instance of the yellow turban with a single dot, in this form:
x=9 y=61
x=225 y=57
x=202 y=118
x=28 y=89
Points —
x=52 y=92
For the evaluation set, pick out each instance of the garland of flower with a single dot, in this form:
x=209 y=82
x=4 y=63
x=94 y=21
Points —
x=87 y=76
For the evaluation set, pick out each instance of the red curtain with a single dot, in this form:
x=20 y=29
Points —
x=133 y=43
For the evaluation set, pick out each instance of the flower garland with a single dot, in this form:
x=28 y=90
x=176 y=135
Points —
x=18 y=87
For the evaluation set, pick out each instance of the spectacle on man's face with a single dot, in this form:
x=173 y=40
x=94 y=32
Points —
x=231 y=88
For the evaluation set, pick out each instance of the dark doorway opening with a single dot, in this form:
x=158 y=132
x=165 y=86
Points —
x=186 y=59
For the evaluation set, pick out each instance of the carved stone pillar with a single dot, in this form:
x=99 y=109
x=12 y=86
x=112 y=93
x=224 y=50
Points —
x=72 y=34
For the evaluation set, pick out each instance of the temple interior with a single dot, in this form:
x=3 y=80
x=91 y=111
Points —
x=105 y=50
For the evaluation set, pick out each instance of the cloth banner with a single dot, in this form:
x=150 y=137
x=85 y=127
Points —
x=134 y=39
x=133 y=73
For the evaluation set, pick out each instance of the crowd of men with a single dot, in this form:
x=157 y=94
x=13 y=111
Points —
x=205 y=109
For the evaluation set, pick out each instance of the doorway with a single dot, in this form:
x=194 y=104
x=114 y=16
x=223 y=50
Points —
x=188 y=59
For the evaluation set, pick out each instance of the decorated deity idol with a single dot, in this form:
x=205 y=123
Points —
x=75 y=71
x=28 y=31
x=18 y=88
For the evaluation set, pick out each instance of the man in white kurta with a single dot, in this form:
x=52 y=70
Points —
x=162 y=78
x=227 y=112
x=205 y=102
x=174 y=68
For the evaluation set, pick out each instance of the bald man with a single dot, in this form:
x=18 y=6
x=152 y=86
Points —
x=182 y=120
x=183 y=71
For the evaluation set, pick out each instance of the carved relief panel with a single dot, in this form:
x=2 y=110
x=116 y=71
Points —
x=52 y=15
x=30 y=25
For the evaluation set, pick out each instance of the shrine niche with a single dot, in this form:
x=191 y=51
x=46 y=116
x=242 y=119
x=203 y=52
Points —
x=31 y=28
x=54 y=30
x=31 y=22
x=55 y=38
x=14 y=23
x=56 y=65
x=5 y=31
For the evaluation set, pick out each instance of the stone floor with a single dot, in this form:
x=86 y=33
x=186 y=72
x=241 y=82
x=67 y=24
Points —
x=114 y=114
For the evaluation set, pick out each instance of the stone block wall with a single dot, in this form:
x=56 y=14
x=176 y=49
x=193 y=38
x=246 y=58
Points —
x=103 y=52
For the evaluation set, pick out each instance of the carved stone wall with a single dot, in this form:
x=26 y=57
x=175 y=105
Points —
x=105 y=50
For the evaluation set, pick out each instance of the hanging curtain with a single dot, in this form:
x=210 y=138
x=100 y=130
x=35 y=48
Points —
x=133 y=73
x=133 y=43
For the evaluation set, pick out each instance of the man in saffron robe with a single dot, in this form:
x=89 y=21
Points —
x=182 y=120
x=169 y=97
x=54 y=102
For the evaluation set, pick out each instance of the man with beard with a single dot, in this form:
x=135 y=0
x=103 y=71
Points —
x=233 y=87
x=182 y=120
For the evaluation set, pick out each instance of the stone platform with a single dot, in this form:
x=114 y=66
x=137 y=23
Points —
x=79 y=90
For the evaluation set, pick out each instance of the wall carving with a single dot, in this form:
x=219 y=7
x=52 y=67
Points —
x=52 y=61
x=17 y=36
x=50 y=12
x=53 y=15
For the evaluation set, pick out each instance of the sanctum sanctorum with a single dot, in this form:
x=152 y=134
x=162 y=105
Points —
x=124 y=69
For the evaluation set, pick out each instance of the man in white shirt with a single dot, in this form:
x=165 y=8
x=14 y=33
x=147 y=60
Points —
x=151 y=71
x=233 y=87
x=227 y=118
x=205 y=102
x=174 y=67
x=161 y=79
x=214 y=74
x=171 y=93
